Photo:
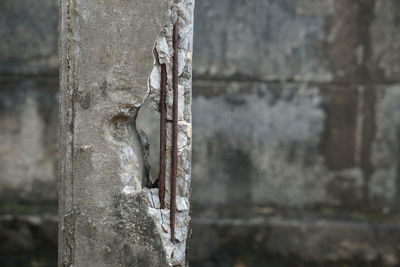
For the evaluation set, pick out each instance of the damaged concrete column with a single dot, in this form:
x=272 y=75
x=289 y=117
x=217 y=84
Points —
x=113 y=56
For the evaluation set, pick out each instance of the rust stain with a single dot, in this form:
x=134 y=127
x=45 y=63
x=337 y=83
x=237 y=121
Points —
x=174 y=160
x=163 y=135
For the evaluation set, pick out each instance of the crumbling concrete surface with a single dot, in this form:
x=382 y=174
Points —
x=111 y=53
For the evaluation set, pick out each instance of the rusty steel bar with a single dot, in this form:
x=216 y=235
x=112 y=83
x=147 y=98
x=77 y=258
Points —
x=174 y=158
x=163 y=136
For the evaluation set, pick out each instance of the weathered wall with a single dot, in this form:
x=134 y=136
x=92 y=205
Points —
x=296 y=129
x=28 y=132
x=296 y=111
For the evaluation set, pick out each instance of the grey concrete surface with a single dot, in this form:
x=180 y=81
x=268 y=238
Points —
x=28 y=37
x=28 y=134
x=295 y=131
x=107 y=205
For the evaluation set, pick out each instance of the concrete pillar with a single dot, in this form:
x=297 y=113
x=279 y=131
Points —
x=114 y=55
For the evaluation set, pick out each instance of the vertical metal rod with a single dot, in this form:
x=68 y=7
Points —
x=174 y=167
x=163 y=135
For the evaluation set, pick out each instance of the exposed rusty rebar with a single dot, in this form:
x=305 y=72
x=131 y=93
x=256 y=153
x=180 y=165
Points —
x=163 y=136
x=174 y=157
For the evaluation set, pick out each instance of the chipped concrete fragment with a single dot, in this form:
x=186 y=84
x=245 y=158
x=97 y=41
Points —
x=163 y=49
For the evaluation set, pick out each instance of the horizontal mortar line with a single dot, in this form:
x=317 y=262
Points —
x=49 y=75
x=251 y=79
x=278 y=81
x=319 y=223
x=55 y=76
x=293 y=223
x=36 y=219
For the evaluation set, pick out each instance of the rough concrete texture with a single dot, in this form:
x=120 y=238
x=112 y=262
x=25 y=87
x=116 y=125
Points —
x=28 y=240
x=295 y=129
x=108 y=213
x=26 y=43
x=163 y=50
x=385 y=153
x=28 y=112
x=295 y=115
x=385 y=40
x=317 y=134
x=286 y=242
x=263 y=39
x=264 y=132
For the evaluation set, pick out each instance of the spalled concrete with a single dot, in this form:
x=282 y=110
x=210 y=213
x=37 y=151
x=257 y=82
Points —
x=108 y=213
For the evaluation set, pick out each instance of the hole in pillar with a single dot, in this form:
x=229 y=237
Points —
x=122 y=131
x=148 y=126
x=122 y=128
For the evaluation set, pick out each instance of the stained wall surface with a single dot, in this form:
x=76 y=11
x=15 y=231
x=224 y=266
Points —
x=296 y=126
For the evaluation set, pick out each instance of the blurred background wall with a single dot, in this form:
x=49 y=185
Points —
x=296 y=114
